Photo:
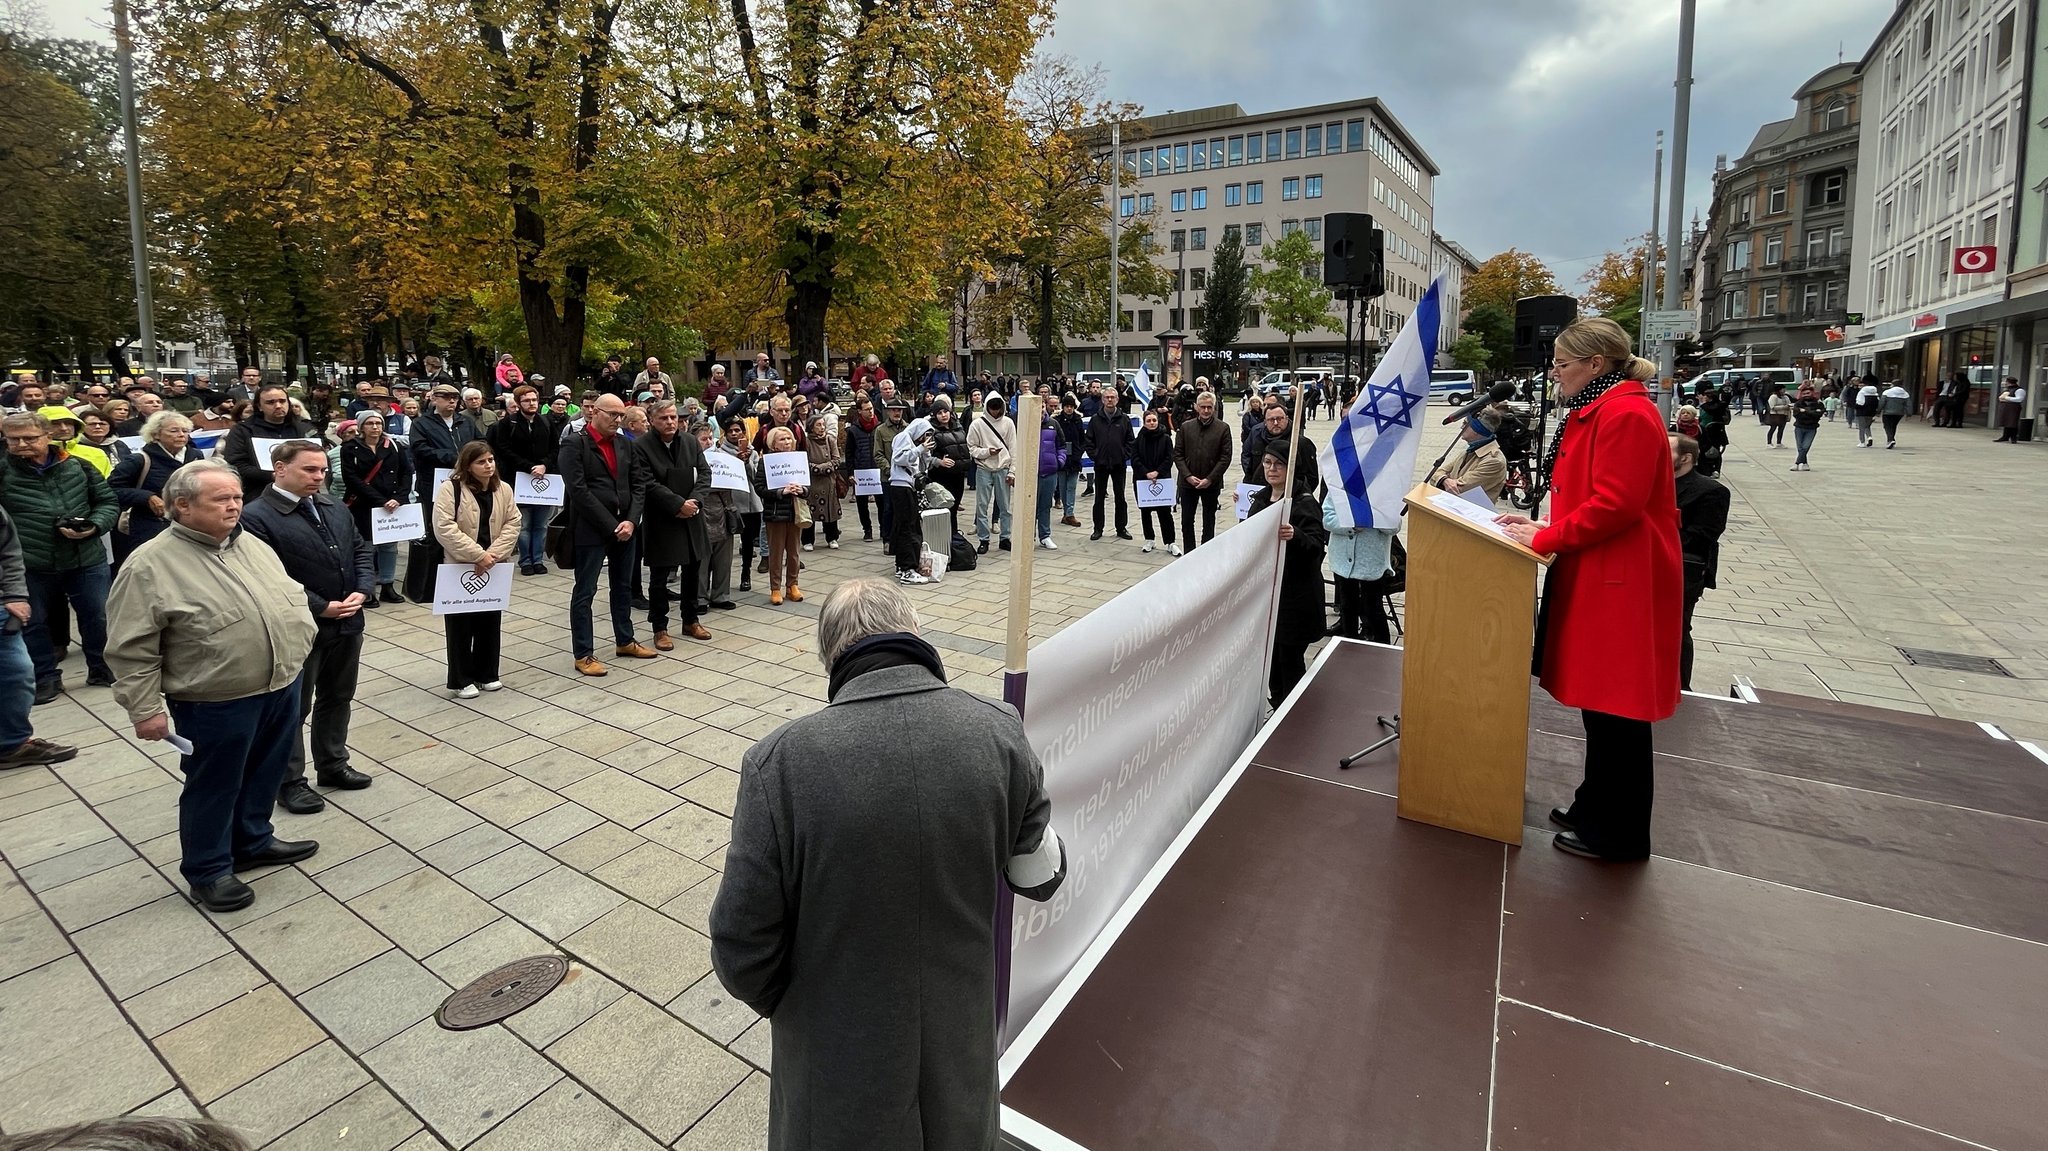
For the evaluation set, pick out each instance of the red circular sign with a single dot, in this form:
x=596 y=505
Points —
x=1973 y=260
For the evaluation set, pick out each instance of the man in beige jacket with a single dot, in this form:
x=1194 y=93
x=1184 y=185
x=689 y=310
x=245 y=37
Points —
x=205 y=628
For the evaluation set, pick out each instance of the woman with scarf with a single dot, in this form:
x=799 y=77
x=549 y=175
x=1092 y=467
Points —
x=138 y=481
x=1301 y=578
x=857 y=448
x=825 y=480
x=1609 y=630
x=378 y=474
x=910 y=457
x=1152 y=459
x=1482 y=465
x=1807 y=411
x=747 y=503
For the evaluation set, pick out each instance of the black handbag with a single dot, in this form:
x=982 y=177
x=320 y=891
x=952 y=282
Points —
x=422 y=559
x=561 y=540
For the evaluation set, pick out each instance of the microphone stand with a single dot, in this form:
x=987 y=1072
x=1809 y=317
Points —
x=1393 y=725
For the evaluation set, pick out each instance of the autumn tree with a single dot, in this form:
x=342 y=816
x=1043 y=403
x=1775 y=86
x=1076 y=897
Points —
x=1227 y=301
x=1290 y=288
x=1508 y=277
x=1494 y=327
x=1614 y=287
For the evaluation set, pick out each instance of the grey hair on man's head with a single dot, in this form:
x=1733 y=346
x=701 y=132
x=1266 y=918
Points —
x=185 y=483
x=860 y=608
x=132 y=1134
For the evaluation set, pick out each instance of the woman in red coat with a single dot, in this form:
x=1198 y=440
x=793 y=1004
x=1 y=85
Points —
x=1608 y=635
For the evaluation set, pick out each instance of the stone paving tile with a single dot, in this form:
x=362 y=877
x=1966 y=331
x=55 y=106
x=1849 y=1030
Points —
x=583 y=992
x=462 y=1083
x=282 y=1098
x=715 y=789
x=568 y=1117
x=652 y=873
x=504 y=871
x=659 y=1072
x=467 y=848
x=424 y=822
x=368 y=871
x=47 y=1012
x=644 y=950
x=738 y=1123
x=371 y=1003
x=28 y=941
x=513 y=799
x=58 y=870
x=621 y=798
x=424 y=911
x=105 y=894
x=690 y=830
x=597 y=847
x=276 y=888
x=560 y=902
x=557 y=825
x=46 y=834
x=237 y=1041
x=707 y=1007
x=144 y=947
x=193 y=994
x=693 y=907
x=757 y=1046
x=310 y=942
x=170 y=1105
x=36 y=799
x=112 y=1074
x=369 y=1119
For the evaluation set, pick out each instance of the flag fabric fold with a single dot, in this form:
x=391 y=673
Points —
x=1141 y=387
x=1370 y=460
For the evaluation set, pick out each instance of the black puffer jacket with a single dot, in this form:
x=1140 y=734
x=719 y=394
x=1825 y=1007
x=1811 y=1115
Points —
x=521 y=444
x=1151 y=452
x=133 y=488
x=950 y=442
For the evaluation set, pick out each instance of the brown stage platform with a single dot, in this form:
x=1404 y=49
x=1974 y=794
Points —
x=1841 y=943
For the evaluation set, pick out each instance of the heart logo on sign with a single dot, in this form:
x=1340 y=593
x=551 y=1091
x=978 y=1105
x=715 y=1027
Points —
x=475 y=582
x=540 y=484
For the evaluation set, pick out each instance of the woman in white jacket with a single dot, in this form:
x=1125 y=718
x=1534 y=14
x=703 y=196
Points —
x=910 y=457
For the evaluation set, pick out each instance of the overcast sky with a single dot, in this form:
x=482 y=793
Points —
x=1541 y=113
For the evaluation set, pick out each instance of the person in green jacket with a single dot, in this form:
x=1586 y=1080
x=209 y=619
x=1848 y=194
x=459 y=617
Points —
x=61 y=507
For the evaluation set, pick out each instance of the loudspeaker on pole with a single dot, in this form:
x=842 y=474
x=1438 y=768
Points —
x=1538 y=320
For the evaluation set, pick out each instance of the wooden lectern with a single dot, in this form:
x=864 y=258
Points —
x=1471 y=620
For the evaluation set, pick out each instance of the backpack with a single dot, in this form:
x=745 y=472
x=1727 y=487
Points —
x=963 y=558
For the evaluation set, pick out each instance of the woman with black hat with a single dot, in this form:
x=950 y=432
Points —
x=1301 y=580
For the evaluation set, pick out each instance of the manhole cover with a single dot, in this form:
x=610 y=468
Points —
x=503 y=993
x=1954 y=661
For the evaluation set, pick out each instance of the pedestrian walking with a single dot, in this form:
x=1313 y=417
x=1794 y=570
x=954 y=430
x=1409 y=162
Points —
x=1867 y=403
x=1893 y=404
x=1806 y=414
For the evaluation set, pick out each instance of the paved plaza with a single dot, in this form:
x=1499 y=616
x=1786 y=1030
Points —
x=590 y=817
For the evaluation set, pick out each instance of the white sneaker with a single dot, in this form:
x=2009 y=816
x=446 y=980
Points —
x=1048 y=545
x=1174 y=550
x=832 y=546
x=1147 y=547
x=494 y=685
x=912 y=578
x=808 y=548
x=468 y=692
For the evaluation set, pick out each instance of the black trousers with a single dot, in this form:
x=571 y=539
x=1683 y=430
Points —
x=1290 y=665
x=1206 y=497
x=1165 y=517
x=906 y=539
x=1611 y=810
x=327 y=692
x=1692 y=599
x=867 y=524
x=473 y=641
x=750 y=543
x=1104 y=481
x=1361 y=611
x=686 y=595
x=1891 y=426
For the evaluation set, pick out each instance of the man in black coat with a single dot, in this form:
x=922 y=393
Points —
x=672 y=536
x=1702 y=517
x=437 y=438
x=1273 y=427
x=607 y=490
x=526 y=439
x=316 y=540
x=1109 y=445
x=272 y=420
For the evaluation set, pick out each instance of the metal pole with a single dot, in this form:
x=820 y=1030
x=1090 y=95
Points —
x=1681 y=117
x=145 y=306
x=1116 y=220
x=1650 y=250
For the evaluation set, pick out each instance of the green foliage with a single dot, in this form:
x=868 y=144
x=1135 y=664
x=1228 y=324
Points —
x=1227 y=301
x=1494 y=328
x=1291 y=289
x=1470 y=353
x=924 y=334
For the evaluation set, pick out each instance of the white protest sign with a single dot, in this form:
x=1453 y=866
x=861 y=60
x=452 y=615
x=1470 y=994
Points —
x=545 y=491
x=409 y=522
x=781 y=469
x=1136 y=718
x=1155 y=493
x=262 y=448
x=458 y=589
x=867 y=481
x=727 y=472
x=1246 y=493
x=134 y=442
x=440 y=480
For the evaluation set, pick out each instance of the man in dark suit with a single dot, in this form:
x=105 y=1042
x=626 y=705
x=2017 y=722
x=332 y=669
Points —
x=437 y=438
x=673 y=538
x=606 y=488
x=1702 y=517
x=316 y=540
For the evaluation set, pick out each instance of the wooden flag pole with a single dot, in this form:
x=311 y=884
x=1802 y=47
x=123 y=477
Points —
x=1017 y=646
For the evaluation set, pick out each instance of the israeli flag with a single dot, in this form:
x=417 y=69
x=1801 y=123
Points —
x=1141 y=387
x=1370 y=459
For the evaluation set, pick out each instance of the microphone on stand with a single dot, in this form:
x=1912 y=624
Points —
x=1497 y=394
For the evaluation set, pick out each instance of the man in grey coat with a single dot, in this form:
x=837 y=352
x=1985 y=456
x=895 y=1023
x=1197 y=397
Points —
x=857 y=909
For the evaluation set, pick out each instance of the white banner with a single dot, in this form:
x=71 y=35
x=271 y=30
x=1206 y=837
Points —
x=543 y=491
x=409 y=522
x=262 y=448
x=458 y=588
x=1156 y=493
x=867 y=481
x=1136 y=717
x=781 y=469
x=728 y=472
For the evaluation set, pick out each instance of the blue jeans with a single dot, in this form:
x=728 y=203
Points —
x=17 y=691
x=1048 y=488
x=1802 y=438
x=591 y=559
x=240 y=749
x=533 y=533
x=387 y=563
x=991 y=489
x=1069 y=482
x=86 y=590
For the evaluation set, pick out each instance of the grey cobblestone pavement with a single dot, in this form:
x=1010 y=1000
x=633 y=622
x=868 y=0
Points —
x=589 y=817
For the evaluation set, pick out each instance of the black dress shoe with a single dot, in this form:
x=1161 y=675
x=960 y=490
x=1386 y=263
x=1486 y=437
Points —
x=1570 y=843
x=1003 y=545
x=640 y=603
x=278 y=852
x=982 y=549
x=1123 y=535
x=1561 y=817
x=48 y=690
x=298 y=797
x=390 y=594
x=723 y=604
x=346 y=779
x=99 y=677
x=224 y=894
x=1096 y=536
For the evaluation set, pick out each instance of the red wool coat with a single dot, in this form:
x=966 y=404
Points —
x=1614 y=600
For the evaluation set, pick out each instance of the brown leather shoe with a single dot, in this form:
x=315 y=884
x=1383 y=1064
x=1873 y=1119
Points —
x=662 y=642
x=794 y=596
x=774 y=597
x=697 y=631
x=588 y=665
x=635 y=650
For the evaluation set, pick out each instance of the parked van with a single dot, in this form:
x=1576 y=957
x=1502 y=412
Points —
x=1720 y=379
x=1281 y=383
x=1453 y=384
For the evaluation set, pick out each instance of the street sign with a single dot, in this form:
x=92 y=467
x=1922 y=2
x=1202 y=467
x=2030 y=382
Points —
x=1976 y=261
x=1671 y=325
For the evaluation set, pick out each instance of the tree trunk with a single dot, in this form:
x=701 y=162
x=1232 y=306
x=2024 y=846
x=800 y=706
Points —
x=373 y=349
x=1045 y=321
x=810 y=299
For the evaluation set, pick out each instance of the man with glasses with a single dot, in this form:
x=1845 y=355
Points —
x=61 y=505
x=762 y=371
x=437 y=438
x=606 y=487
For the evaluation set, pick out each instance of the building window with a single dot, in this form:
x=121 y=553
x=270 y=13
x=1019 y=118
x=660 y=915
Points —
x=1126 y=322
x=1952 y=176
x=1254 y=148
x=1180 y=157
x=1254 y=235
x=2005 y=40
x=1810 y=299
x=1232 y=230
x=1173 y=282
x=1816 y=244
x=1199 y=150
x=1131 y=160
x=1199 y=199
x=1312 y=187
x=1774 y=249
x=1354 y=136
x=1987 y=229
x=1734 y=305
x=1776 y=201
x=1745 y=207
x=1145 y=162
x=1179 y=199
x=1198 y=278
x=1767 y=304
x=1216 y=152
x=1146 y=202
x=1994 y=147
x=1126 y=205
x=1173 y=319
x=1314 y=146
x=1165 y=164
x=1289 y=227
x=1198 y=239
x=1233 y=195
x=1144 y=319
x=1927 y=36
x=1881 y=279
x=1290 y=188
x=1255 y=192
x=1738 y=256
x=1314 y=227
x=1200 y=314
x=1236 y=151
x=1837 y=289
x=1178 y=241
x=1251 y=318
x=1332 y=132
x=1835 y=117
x=1833 y=187
x=1293 y=143
x=1838 y=240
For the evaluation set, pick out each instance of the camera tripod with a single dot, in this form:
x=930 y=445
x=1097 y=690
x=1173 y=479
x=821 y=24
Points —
x=1393 y=725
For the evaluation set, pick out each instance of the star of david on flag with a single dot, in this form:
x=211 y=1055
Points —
x=1370 y=459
